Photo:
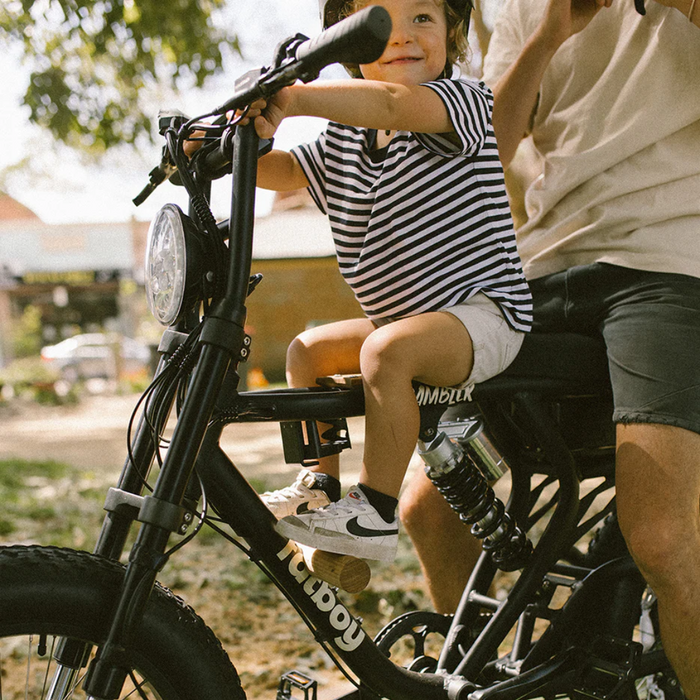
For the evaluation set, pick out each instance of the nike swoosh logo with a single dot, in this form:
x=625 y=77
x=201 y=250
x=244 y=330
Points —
x=354 y=528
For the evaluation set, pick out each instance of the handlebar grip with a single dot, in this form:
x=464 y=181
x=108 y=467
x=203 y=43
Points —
x=361 y=38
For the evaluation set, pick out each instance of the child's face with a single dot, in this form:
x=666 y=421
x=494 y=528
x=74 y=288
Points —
x=417 y=48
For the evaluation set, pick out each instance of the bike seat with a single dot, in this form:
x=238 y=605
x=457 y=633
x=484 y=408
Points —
x=553 y=363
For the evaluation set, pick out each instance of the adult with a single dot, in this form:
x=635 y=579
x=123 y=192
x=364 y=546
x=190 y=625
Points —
x=611 y=247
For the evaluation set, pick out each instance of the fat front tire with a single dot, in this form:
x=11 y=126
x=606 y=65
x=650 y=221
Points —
x=48 y=593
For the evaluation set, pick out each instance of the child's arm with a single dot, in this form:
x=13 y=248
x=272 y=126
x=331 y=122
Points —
x=364 y=103
x=280 y=171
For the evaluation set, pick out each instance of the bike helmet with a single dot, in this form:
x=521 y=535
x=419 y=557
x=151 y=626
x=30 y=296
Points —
x=458 y=14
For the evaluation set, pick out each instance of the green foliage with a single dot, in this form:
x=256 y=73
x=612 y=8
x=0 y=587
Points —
x=43 y=502
x=26 y=333
x=30 y=377
x=15 y=472
x=28 y=371
x=91 y=59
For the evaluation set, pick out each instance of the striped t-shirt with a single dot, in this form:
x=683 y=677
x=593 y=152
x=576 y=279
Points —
x=425 y=223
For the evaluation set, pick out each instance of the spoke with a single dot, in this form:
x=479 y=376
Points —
x=48 y=668
x=41 y=677
x=76 y=685
x=29 y=665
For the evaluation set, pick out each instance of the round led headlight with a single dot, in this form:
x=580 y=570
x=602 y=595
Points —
x=171 y=257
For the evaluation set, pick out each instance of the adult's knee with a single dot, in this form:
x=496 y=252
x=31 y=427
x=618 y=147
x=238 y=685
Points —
x=423 y=509
x=657 y=544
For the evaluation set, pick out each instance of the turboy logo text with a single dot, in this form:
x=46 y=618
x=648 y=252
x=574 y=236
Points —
x=324 y=598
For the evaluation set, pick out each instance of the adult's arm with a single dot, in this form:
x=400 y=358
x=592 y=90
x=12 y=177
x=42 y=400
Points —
x=517 y=90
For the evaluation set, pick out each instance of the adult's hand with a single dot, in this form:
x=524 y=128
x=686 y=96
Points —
x=564 y=18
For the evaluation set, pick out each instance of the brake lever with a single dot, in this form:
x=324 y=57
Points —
x=162 y=172
x=166 y=168
x=286 y=50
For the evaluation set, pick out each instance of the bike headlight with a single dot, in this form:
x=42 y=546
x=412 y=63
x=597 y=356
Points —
x=172 y=268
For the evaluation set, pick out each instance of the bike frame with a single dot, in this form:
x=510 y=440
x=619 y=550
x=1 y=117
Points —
x=213 y=389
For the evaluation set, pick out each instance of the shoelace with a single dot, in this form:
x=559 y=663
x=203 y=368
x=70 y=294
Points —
x=292 y=490
x=340 y=508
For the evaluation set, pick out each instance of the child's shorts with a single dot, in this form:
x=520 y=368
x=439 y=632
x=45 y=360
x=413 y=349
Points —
x=495 y=343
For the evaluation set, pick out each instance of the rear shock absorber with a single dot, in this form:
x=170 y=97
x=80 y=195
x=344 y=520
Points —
x=458 y=478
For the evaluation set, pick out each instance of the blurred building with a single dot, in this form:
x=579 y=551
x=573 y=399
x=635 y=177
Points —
x=87 y=277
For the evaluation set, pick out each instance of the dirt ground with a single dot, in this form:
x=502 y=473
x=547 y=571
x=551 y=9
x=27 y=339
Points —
x=92 y=434
x=262 y=635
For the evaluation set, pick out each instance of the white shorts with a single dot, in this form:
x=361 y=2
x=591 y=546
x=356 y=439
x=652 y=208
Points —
x=495 y=343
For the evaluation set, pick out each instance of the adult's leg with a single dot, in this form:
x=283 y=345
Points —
x=333 y=348
x=652 y=332
x=434 y=348
x=446 y=550
x=658 y=504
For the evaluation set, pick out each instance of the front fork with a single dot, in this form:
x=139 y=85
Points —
x=122 y=505
x=162 y=513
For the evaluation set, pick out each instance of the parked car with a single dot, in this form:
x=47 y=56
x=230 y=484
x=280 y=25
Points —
x=93 y=356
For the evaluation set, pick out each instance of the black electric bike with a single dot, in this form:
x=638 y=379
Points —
x=103 y=630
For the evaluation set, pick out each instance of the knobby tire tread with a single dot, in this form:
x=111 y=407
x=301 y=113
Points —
x=66 y=592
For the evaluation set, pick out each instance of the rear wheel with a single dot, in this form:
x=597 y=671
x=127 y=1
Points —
x=47 y=594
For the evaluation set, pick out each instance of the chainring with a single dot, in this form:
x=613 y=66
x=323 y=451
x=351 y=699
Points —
x=415 y=627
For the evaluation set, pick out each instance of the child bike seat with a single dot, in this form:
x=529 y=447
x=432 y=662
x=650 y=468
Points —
x=553 y=363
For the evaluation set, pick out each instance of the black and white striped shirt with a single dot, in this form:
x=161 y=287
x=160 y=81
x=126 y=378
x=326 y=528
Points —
x=425 y=223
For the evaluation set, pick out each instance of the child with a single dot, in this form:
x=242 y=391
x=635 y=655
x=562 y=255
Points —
x=408 y=173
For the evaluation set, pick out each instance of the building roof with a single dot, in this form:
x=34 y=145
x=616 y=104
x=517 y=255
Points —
x=32 y=246
x=12 y=210
x=28 y=245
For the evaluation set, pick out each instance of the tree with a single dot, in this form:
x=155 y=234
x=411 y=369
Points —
x=90 y=60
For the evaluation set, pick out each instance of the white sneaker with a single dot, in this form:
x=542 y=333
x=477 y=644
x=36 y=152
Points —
x=349 y=526
x=297 y=498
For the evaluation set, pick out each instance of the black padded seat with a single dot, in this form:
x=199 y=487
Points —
x=553 y=363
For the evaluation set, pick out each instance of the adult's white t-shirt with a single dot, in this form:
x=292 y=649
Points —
x=618 y=127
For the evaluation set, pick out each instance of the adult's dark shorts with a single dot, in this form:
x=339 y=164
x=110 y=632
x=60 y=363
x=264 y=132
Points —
x=650 y=322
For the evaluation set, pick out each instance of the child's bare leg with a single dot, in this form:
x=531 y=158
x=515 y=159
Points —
x=434 y=348
x=333 y=348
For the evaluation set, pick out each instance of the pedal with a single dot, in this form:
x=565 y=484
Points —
x=296 y=679
x=340 y=570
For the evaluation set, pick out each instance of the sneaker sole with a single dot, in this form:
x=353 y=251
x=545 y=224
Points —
x=282 y=512
x=362 y=549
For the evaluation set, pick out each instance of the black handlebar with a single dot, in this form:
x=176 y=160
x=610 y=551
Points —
x=360 y=38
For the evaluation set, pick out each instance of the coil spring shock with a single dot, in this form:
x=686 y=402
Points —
x=469 y=494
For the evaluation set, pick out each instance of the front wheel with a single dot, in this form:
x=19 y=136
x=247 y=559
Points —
x=47 y=594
